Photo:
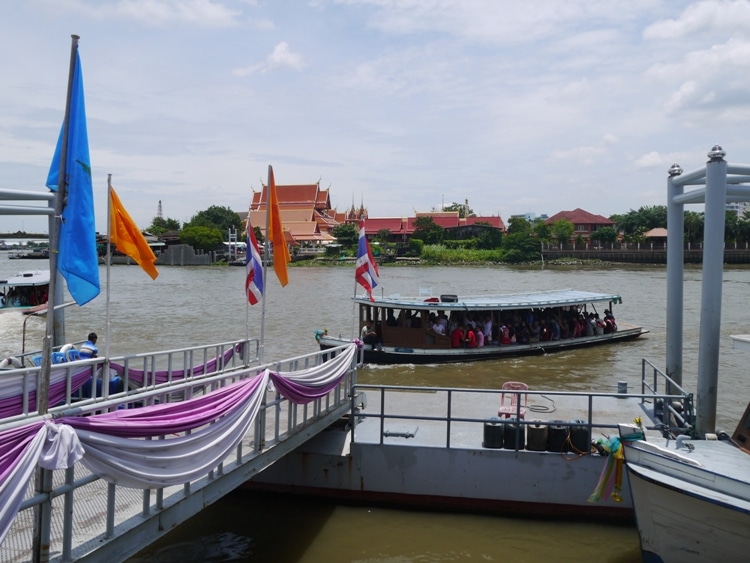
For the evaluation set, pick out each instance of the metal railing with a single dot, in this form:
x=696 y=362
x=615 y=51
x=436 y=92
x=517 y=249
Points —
x=459 y=407
x=86 y=514
x=120 y=376
x=676 y=416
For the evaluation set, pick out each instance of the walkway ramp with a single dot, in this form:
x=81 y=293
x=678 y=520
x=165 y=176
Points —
x=90 y=519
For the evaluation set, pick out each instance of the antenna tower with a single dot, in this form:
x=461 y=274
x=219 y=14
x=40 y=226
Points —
x=158 y=211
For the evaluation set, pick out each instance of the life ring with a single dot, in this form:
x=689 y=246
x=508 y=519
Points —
x=70 y=352
x=11 y=362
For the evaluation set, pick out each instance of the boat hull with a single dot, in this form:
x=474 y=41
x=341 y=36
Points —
x=409 y=355
x=684 y=525
x=692 y=502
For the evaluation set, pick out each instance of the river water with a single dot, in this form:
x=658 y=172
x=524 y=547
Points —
x=192 y=306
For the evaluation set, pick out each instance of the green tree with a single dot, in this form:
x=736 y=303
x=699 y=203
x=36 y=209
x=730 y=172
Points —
x=542 y=230
x=461 y=208
x=346 y=234
x=202 y=238
x=693 y=226
x=520 y=247
x=605 y=235
x=383 y=235
x=518 y=225
x=646 y=218
x=217 y=217
x=428 y=231
x=743 y=230
x=731 y=226
x=562 y=230
x=160 y=225
x=489 y=238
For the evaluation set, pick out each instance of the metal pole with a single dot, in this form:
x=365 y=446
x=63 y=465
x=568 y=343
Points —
x=43 y=481
x=713 y=273
x=675 y=271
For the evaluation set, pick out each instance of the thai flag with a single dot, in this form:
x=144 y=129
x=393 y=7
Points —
x=254 y=267
x=367 y=269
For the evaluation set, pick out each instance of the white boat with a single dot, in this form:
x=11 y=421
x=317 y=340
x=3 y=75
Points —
x=521 y=324
x=25 y=292
x=691 y=497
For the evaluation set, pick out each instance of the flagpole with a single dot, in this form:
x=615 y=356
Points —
x=354 y=305
x=264 y=260
x=55 y=289
x=43 y=478
x=109 y=262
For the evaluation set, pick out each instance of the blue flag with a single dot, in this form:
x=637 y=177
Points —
x=77 y=257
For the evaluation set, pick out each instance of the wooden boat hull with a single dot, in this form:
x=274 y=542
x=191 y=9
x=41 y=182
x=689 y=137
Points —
x=410 y=355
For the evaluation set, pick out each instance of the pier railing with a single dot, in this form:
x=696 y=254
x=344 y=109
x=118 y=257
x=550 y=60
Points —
x=676 y=416
x=96 y=379
x=87 y=517
x=463 y=411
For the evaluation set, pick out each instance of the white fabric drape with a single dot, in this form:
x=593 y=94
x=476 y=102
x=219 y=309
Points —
x=153 y=463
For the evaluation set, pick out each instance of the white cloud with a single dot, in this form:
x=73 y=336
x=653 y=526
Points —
x=519 y=107
x=280 y=58
x=703 y=17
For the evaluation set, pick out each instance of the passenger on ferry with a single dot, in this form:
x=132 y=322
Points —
x=458 y=337
x=88 y=348
x=590 y=324
x=554 y=328
x=436 y=325
x=370 y=336
x=487 y=328
x=544 y=333
x=480 y=337
x=598 y=325
x=523 y=335
x=535 y=330
x=609 y=321
x=443 y=320
x=471 y=338
x=504 y=335
x=391 y=320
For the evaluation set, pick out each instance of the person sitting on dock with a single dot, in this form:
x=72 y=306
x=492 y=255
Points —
x=88 y=348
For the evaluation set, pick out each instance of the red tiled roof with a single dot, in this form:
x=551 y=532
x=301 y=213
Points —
x=375 y=224
x=580 y=217
x=495 y=220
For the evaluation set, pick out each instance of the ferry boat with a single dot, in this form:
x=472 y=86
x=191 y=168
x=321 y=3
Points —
x=25 y=292
x=422 y=330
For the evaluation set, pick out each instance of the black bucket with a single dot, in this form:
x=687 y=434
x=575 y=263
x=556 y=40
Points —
x=537 y=436
x=515 y=435
x=558 y=436
x=493 y=433
x=579 y=437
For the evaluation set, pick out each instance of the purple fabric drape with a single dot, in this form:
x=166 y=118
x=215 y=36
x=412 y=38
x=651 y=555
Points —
x=140 y=377
x=12 y=444
x=301 y=393
x=168 y=418
x=13 y=405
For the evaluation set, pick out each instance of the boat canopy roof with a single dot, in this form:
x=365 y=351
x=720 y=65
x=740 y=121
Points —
x=37 y=277
x=530 y=300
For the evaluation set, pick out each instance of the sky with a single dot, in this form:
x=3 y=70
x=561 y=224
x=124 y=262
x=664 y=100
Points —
x=402 y=105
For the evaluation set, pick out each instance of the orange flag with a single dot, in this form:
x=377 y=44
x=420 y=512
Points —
x=128 y=238
x=275 y=232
